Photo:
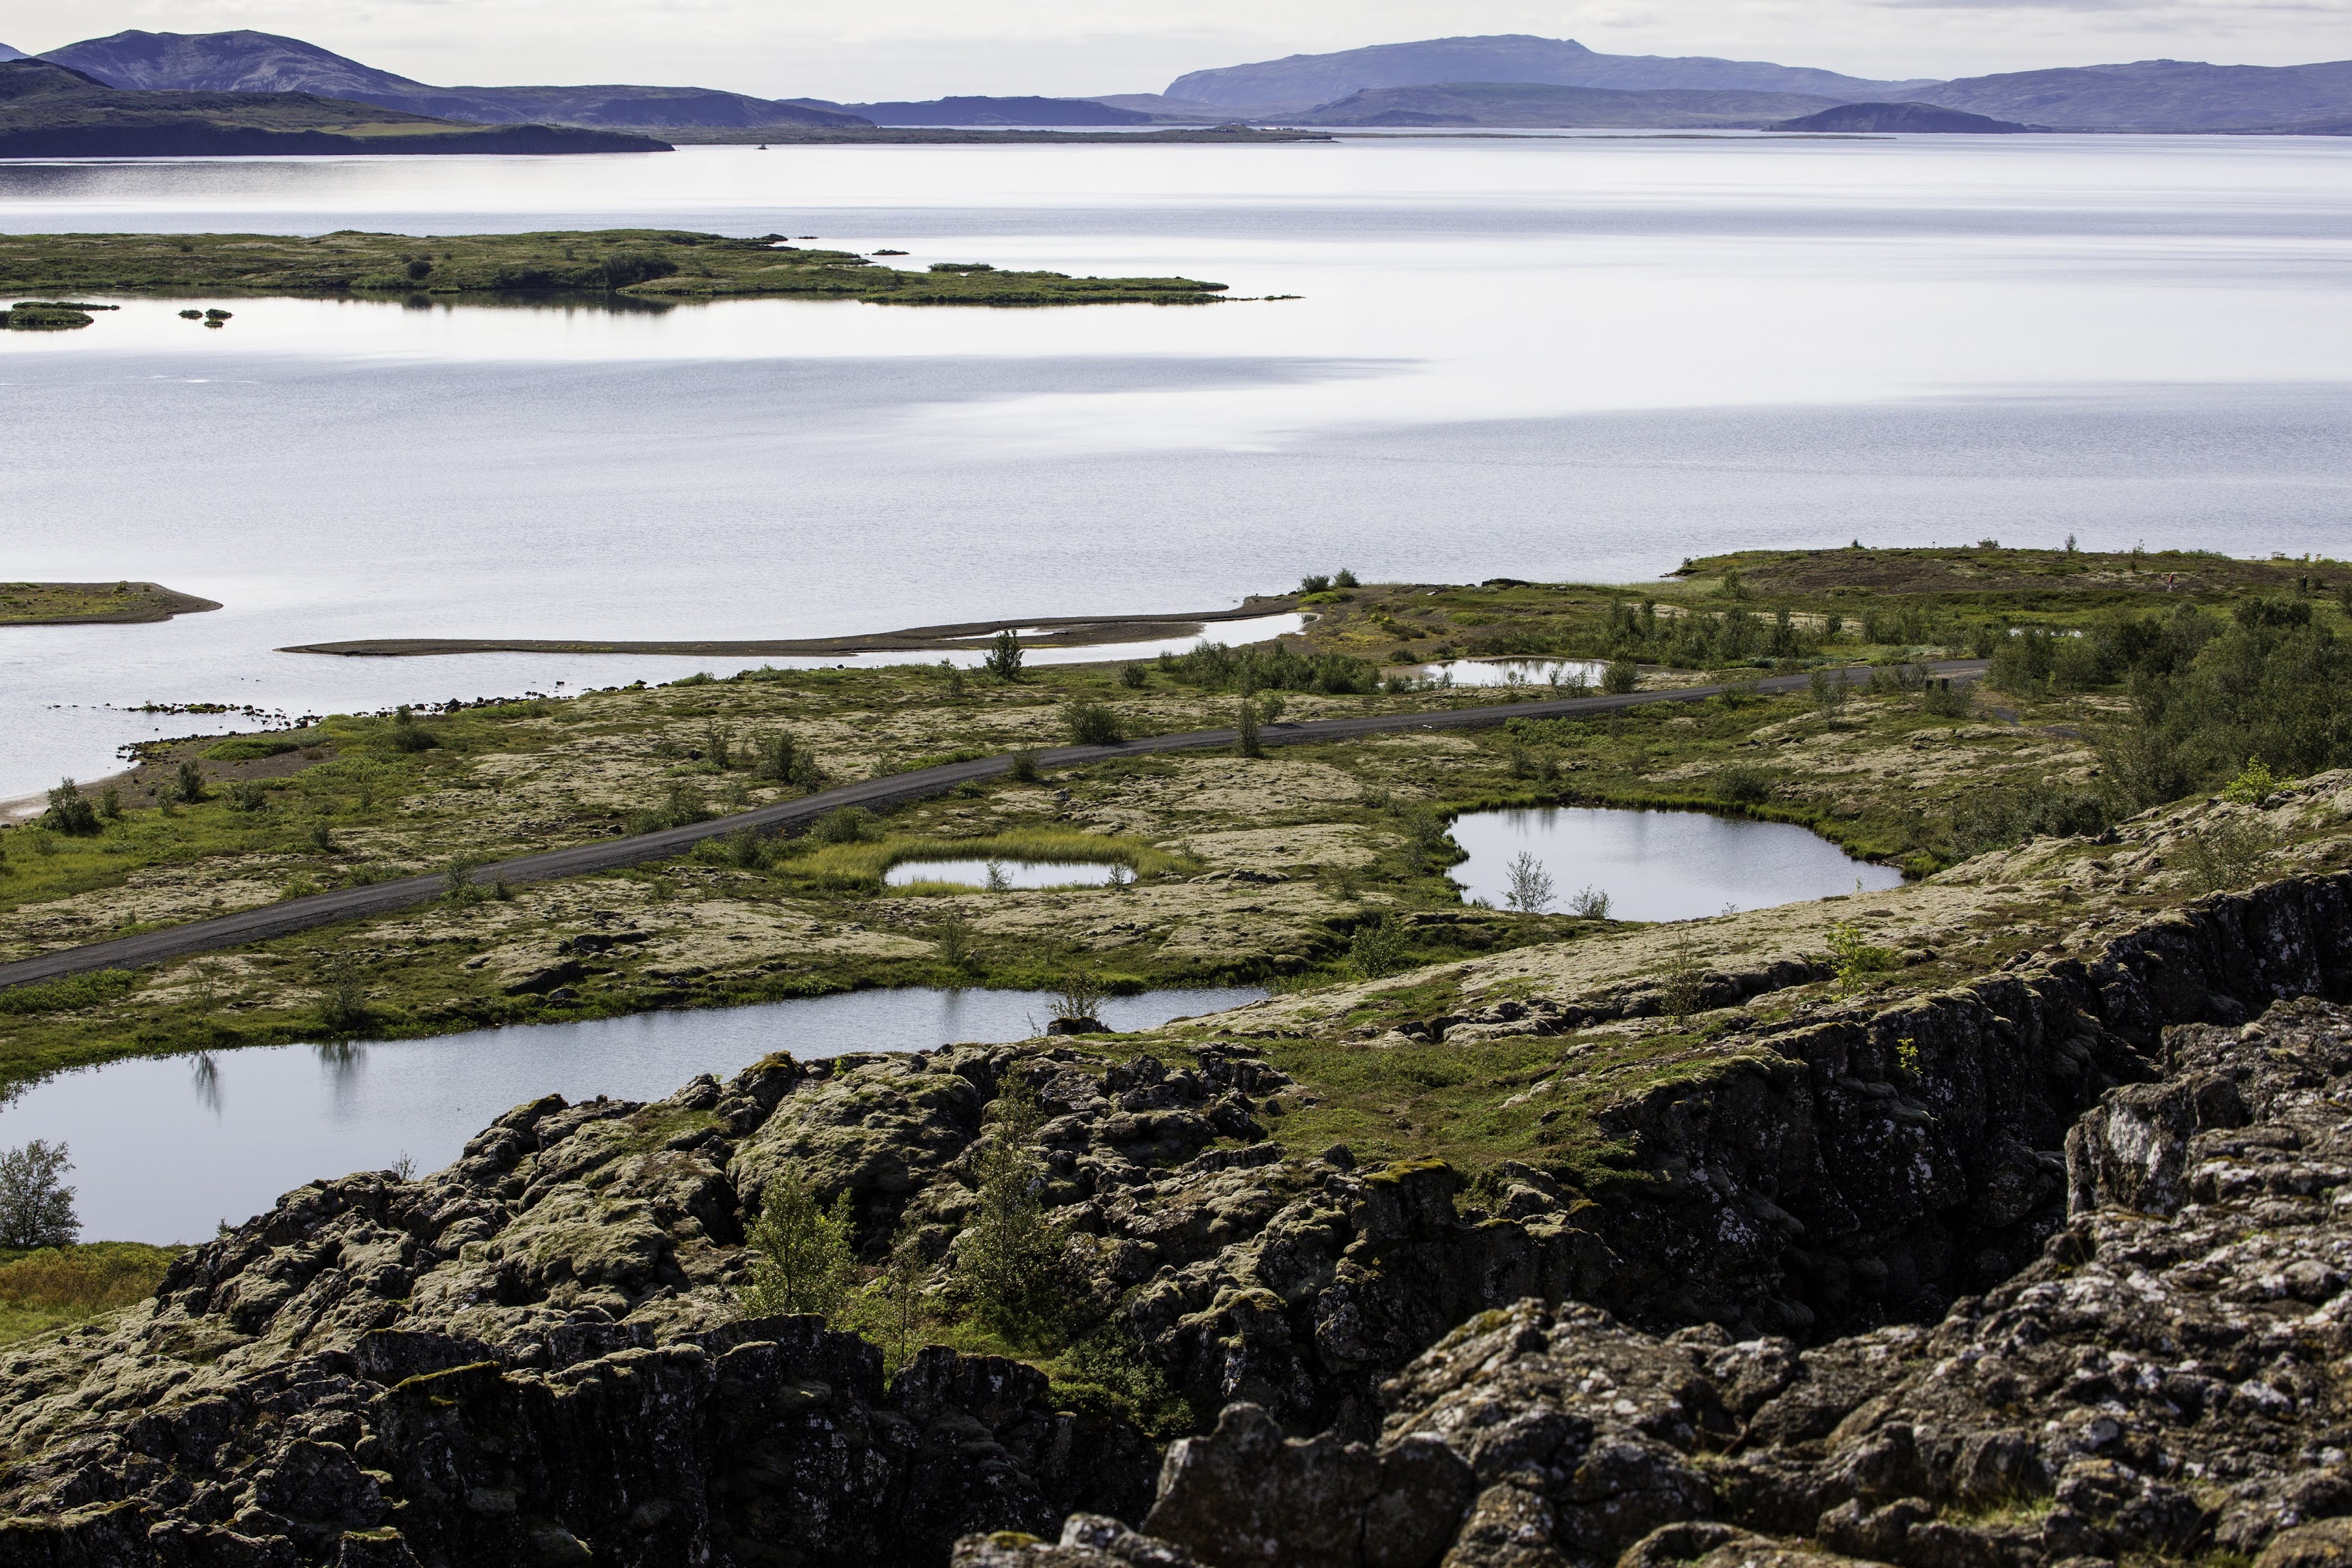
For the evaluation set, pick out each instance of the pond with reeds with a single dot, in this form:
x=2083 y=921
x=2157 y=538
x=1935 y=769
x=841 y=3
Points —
x=165 y=1147
x=1651 y=865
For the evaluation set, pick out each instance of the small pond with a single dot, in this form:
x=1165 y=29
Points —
x=1554 y=672
x=165 y=1147
x=1000 y=875
x=1658 y=864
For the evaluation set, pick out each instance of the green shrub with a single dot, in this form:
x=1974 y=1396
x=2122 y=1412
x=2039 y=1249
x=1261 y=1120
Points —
x=1743 y=786
x=843 y=824
x=1621 y=677
x=1377 y=947
x=1245 y=731
x=407 y=735
x=780 y=756
x=69 y=812
x=1024 y=768
x=2000 y=816
x=1272 y=666
x=1094 y=724
x=188 y=785
x=248 y=794
x=1133 y=676
x=1854 y=958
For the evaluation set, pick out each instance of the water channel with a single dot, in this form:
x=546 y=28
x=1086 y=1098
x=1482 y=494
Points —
x=164 y=1148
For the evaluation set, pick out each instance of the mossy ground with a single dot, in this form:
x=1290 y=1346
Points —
x=1249 y=869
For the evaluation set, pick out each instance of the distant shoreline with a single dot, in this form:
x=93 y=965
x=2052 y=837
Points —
x=1057 y=631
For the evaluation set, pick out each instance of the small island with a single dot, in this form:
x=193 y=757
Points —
x=641 y=263
x=83 y=604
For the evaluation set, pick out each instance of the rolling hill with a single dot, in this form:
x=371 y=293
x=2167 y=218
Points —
x=1904 y=119
x=2157 y=95
x=1302 y=81
x=246 y=61
x=50 y=111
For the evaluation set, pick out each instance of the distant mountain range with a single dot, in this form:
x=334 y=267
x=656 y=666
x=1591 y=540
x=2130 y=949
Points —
x=51 y=111
x=1389 y=83
x=1303 y=81
x=1513 y=79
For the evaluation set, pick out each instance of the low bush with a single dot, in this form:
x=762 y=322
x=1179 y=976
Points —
x=1093 y=723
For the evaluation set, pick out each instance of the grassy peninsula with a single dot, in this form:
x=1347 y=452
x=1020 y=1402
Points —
x=2121 y=687
x=641 y=263
x=80 y=603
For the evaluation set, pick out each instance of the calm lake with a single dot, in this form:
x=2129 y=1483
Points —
x=165 y=1147
x=1580 y=357
x=1658 y=864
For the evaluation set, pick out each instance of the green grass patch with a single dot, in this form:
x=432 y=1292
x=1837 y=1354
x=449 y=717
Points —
x=75 y=991
x=53 y=1286
x=254 y=748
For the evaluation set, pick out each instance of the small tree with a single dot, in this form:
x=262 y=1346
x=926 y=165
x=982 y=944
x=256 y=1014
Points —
x=1009 y=1256
x=1079 y=999
x=1828 y=688
x=1621 y=675
x=1531 y=888
x=70 y=810
x=1246 y=728
x=777 y=755
x=1377 y=947
x=1589 y=903
x=36 y=1209
x=189 y=786
x=801 y=1257
x=897 y=1308
x=1134 y=677
x=1004 y=656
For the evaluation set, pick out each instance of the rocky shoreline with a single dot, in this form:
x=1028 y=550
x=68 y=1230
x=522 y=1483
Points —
x=1977 y=1280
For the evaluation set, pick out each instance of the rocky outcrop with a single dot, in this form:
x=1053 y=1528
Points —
x=2162 y=1383
x=538 y=1351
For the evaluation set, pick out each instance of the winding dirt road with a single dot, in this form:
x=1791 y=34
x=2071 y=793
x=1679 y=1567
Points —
x=611 y=854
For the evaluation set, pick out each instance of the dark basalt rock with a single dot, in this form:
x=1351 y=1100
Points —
x=2161 y=1384
x=535 y=1354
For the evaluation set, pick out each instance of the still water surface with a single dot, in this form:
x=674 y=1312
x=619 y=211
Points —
x=1658 y=864
x=164 y=1148
x=1004 y=873
x=1581 y=358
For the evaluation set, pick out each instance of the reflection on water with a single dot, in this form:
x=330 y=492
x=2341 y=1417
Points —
x=1656 y=865
x=998 y=876
x=164 y=1148
x=1567 y=677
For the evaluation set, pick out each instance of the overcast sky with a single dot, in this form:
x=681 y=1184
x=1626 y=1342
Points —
x=924 y=49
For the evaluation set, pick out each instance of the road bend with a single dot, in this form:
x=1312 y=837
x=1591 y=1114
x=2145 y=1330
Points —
x=308 y=913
